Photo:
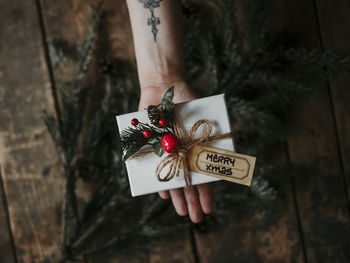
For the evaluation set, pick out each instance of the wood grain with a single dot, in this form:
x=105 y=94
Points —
x=67 y=22
x=174 y=250
x=254 y=239
x=114 y=40
x=7 y=252
x=320 y=196
x=334 y=25
x=29 y=164
x=258 y=239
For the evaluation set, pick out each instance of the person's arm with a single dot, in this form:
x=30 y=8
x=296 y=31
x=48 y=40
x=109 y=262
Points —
x=158 y=40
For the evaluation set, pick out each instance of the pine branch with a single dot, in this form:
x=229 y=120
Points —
x=255 y=24
x=132 y=139
x=315 y=59
x=86 y=49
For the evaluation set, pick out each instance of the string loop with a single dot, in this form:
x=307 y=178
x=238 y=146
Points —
x=178 y=160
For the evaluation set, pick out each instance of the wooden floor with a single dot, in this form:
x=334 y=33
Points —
x=314 y=224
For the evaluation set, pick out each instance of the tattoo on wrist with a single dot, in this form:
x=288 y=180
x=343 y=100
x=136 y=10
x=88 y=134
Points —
x=152 y=21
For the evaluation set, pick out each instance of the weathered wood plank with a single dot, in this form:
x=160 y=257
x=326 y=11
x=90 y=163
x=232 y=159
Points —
x=321 y=197
x=126 y=256
x=334 y=24
x=174 y=250
x=67 y=20
x=30 y=171
x=7 y=253
x=254 y=239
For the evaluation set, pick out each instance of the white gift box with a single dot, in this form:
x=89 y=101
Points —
x=141 y=171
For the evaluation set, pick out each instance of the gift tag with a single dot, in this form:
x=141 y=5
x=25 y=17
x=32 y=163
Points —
x=226 y=165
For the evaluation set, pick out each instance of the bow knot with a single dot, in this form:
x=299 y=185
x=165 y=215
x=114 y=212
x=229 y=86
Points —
x=178 y=160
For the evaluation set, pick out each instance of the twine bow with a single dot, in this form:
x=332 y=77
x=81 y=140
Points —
x=178 y=159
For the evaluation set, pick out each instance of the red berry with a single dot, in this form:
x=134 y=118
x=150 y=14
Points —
x=162 y=122
x=146 y=133
x=134 y=122
x=169 y=142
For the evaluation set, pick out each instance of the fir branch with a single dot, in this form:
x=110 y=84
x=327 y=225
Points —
x=132 y=139
x=155 y=207
x=86 y=49
x=254 y=24
x=60 y=51
x=315 y=59
x=228 y=32
x=53 y=128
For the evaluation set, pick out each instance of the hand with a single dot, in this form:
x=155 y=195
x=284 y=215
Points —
x=194 y=200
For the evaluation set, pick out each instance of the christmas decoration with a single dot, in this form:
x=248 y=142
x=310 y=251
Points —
x=146 y=134
x=182 y=157
x=186 y=158
x=162 y=122
x=169 y=143
x=153 y=132
x=134 y=122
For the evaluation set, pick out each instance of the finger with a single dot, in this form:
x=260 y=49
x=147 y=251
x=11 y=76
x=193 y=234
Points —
x=205 y=197
x=164 y=194
x=193 y=204
x=179 y=202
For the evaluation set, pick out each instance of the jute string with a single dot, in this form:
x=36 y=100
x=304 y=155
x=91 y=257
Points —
x=177 y=161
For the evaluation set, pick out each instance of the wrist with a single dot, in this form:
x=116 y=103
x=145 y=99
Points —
x=152 y=94
x=160 y=72
x=162 y=83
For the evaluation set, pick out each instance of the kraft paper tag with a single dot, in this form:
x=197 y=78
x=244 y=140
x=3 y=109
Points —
x=226 y=165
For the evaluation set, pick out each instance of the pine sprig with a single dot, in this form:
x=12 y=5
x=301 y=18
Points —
x=132 y=139
x=315 y=59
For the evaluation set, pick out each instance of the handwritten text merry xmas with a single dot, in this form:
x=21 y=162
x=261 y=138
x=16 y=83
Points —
x=220 y=159
x=222 y=164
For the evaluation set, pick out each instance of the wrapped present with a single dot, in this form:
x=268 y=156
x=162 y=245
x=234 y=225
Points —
x=171 y=146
